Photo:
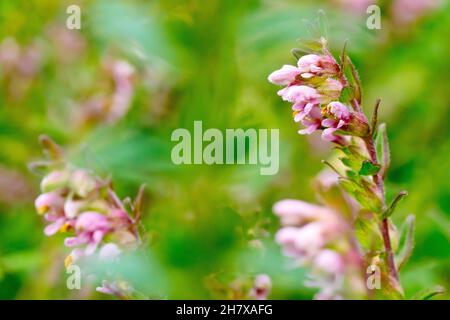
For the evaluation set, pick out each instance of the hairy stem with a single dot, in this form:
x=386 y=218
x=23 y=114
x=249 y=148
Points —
x=384 y=226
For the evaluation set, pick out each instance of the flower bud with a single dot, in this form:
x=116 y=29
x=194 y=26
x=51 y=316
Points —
x=54 y=180
x=82 y=183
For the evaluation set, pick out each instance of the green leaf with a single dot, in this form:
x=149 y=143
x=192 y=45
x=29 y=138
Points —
x=367 y=231
x=406 y=242
x=374 y=119
x=369 y=168
x=429 y=293
x=390 y=210
x=298 y=53
x=362 y=193
x=53 y=150
x=356 y=82
x=382 y=148
x=351 y=163
x=343 y=60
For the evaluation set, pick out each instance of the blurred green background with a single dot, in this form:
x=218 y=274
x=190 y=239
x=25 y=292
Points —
x=210 y=226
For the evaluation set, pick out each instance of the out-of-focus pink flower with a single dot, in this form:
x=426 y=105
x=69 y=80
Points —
x=284 y=76
x=9 y=53
x=82 y=182
x=312 y=65
x=49 y=202
x=55 y=179
x=69 y=44
x=327 y=178
x=109 y=251
x=327 y=293
x=297 y=212
x=73 y=207
x=91 y=227
x=407 y=11
x=30 y=61
x=122 y=73
x=301 y=242
x=330 y=262
x=261 y=287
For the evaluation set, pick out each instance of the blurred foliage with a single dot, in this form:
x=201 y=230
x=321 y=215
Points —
x=209 y=60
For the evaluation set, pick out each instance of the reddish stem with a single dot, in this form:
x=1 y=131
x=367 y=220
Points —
x=384 y=226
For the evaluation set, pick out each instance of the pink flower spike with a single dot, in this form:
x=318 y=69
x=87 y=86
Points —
x=284 y=76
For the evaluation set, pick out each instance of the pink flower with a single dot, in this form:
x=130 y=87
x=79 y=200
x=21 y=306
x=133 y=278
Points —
x=58 y=223
x=312 y=122
x=302 y=243
x=330 y=89
x=49 y=202
x=82 y=182
x=261 y=287
x=407 y=11
x=312 y=65
x=341 y=117
x=296 y=212
x=300 y=94
x=73 y=207
x=284 y=76
x=55 y=179
x=109 y=251
x=330 y=262
x=91 y=227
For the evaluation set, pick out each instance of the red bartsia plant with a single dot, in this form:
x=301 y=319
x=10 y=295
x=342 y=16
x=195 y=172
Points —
x=99 y=224
x=350 y=237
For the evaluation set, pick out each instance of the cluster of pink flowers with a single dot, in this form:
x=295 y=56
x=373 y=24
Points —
x=73 y=200
x=308 y=235
x=314 y=87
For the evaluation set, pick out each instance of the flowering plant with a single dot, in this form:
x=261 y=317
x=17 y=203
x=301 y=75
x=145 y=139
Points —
x=350 y=240
x=75 y=201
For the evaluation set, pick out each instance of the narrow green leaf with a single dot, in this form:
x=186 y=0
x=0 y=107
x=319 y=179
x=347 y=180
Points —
x=298 y=53
x=342 y=58
x=356 y=80
x=374 y=120
x=390 y=210
x=53 y=150
x=429 y=293
x=382 y=148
